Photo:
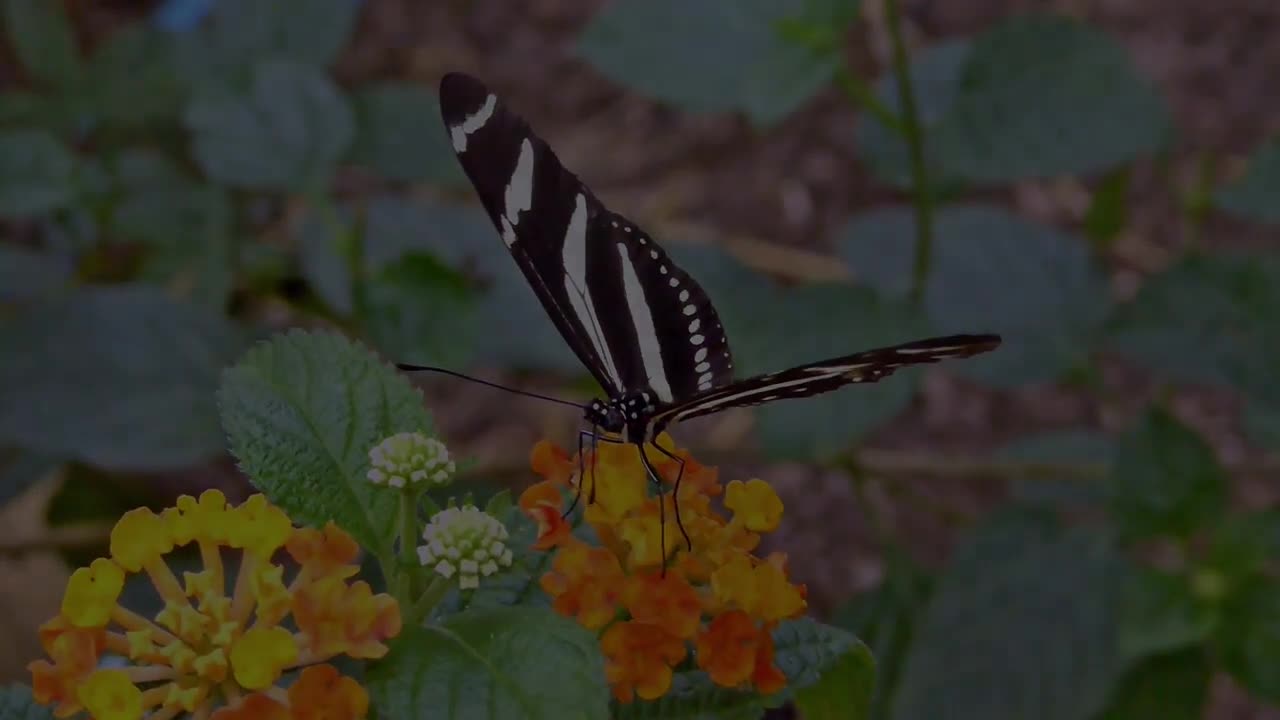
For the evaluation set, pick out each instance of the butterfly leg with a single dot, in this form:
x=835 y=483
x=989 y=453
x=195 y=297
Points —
x=662 y=506
x=675 y=494
x=596 y=438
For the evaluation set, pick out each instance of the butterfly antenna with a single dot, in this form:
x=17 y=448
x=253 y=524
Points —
x=425 y=368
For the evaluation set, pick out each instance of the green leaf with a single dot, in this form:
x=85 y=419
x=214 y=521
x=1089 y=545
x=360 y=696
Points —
x=498 y=663
x=1209 y=318
x=1253 y=196
x=35 y=173
x=16 y=703
x=1242 y=545
x=983 y=258
x=242 y=34
x=1022 y=626
x=27 y=273
x=1248 y=639
x=418 y=310
x=1007 y=123
x=935 y=76
x=302 y=412
x=287 y=133
x=132 y=81
x=398 y=136
x=660 y=48
x=1169 y=687
x=845 y=690
x=119 y=376
x=42 y=37
x=805 y=649
x=694 y=697
x=1166 y=479
x=1159 y=614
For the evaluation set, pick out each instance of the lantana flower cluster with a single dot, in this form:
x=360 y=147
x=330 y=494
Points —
x=717 y=600
x=210 y=653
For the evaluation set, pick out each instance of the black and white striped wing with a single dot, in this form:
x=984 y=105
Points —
x=824 y=376
x=634 y=319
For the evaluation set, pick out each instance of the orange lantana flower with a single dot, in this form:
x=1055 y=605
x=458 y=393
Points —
x=653 y=604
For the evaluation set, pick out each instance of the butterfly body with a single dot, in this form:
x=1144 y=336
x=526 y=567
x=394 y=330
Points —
x=642 y=326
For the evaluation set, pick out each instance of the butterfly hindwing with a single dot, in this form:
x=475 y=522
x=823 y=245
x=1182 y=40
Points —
x=824 y=376
x=633 y=318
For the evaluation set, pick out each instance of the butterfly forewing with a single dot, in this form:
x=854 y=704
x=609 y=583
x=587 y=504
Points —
x=824 y=376
x=632 y=317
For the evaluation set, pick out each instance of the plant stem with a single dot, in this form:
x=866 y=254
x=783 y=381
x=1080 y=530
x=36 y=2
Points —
x=923 y=195
x=856 y=89
x=435 y=592
x=408 y=535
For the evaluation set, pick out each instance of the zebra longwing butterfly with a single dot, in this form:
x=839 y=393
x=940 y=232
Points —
x=640 y=324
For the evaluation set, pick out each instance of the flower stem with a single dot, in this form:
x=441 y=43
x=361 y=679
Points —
x=858 y=91
x=408 y=536
x=430 y=597
x=923 y=186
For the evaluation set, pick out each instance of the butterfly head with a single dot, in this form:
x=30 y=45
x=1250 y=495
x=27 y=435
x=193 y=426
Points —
x=627 y=414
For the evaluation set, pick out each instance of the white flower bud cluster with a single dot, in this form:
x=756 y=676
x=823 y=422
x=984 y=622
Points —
x=466 y=541
x=409 y=459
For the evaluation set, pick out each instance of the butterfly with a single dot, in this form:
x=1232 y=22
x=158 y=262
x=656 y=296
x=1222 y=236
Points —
x=642 y=326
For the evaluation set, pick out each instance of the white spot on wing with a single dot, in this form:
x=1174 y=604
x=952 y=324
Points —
x=689 y=309
x=520 y=187
x=646 y=332
x=693 y=326
x=684 y=295
x=700 y=355
x=673 y=282
x=472 y=123
x=508 y=233
x=697 y=339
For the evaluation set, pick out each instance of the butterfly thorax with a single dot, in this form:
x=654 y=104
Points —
x=627 y=415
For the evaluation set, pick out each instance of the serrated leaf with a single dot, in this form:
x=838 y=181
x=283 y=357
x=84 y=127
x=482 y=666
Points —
x=1166 y=479
x=288 y=132
x=302 y=411
x=399 y=136
x=119 y=376
x=1159 y=614
x=42 y=37
x=935 y=77
x=27 y=273
x=1209 y=318
x=1007 y=123
x=418 y=310
x=983 y=258
x=844 y=691
x=1248 y=638
x=498 y=663
x=1253 y=196
x=35 y=173
x=242 y=34
x=1004 y=638
x=660 y=48
x=1169 y=687
x=16 y=703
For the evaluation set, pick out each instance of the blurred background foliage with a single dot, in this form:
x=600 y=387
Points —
x=1082 y=525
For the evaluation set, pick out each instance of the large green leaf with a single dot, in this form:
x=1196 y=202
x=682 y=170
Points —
x=992 y=272
x=1045 y=96
x=1248 y=638
x=1022 y=626
x=498 y=663
x=302 y=412
x=1253 y=196
x=1209 y=318
x=36 y=173
x=16 y=703
x=712 y=56
x=26 y=273
x=242 y=34
x=43 y=39
x=1174 y=686
x=401 y=136
x=288 y=132
x=119 y=376
x=1165 y=480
